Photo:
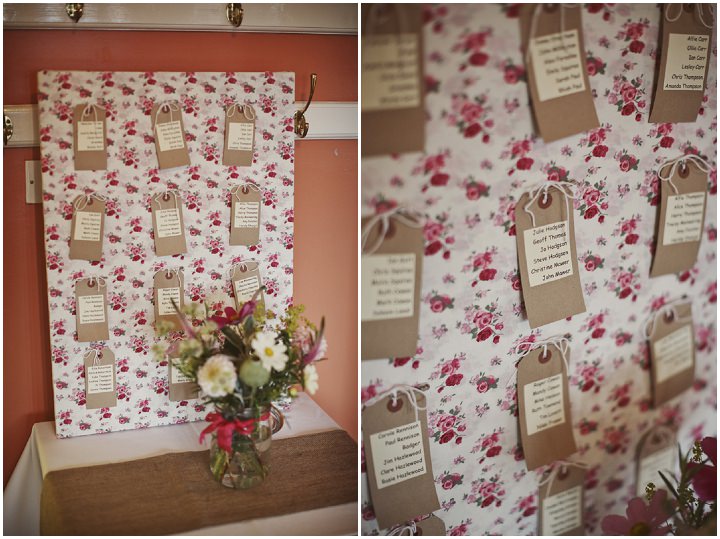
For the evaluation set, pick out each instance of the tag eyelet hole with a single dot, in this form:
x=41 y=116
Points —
x=91 y=283
x=684 y=170
x=545 y=201
x=166 y=197
x=165 y=108
x=394 y=407
x=245 y=190
x=168 y=275
x=563 y=473
x=243 y=268
x=669 y=317
x=100 y=355
x=545 y=356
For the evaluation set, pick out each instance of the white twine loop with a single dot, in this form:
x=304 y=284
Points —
x=88 y=108
x=563 y=187
x=84 y=200
x=93 y=280
x=96 y=357
x=560 y=342
x=169 y=272
x=404 y=216
x=243 y=266
x=407 y=390
x=534 y=23
x=165 y=195
x=668 y=308
x=402 y=528
x=236 y=190
x=666 y=435
x=699 y=162
x=166 y=106
x=247 y=110
x=698 y=9
x=557 y=467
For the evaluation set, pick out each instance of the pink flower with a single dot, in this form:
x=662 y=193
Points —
x=524 y=163
x=628 y=109
x=591 y=212
x=641 y=519
x=472 y=130
x=625 y=165
x=511 y=75
x=437 y=306
x=636 y=46
x=483 y=386
x=483 y=319
x=433 y=230
x=591 y=196
x=629 y=93
x=590 y=264
x=479 y=59
x=487 y=274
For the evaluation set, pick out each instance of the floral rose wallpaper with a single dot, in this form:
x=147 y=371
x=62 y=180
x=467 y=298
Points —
x=481 y=155
x=129 y=261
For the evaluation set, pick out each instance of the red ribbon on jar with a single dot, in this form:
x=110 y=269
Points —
x=224 y=428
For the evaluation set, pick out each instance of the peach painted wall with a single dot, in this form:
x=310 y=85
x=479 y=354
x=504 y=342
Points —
x=325 y=199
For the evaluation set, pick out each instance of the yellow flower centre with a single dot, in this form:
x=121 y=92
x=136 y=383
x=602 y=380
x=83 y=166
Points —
x=269 y=351
x=640 y=528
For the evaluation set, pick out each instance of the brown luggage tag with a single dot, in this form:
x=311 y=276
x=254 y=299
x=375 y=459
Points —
x=87 y=227
x=393 y=102
x=89 y=137
x=391 y=268
x=547 y=255
x=239 y=136
x=554 y=49
x=100 y=379
x=561 y=495
x=544 y=403
x=169 y=131
x=430 y=526
x=246 y=280
x=657 y=451
x=681 y=76
x=672 y=351
x=246 y=203
x=91 y=310
x=397 y=450
x=169 y=288
x=168 y=225
x=180 y=387
x=683 y=191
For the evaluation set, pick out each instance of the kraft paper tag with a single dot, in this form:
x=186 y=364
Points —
x=181 y=387
x=431 y=526
x=561 y=502
x=683 y=65
x=656 y=452
x=168 y=225
x=391 y=283
x=169 y=287
x=87 y=228
x=246 y=281
x=89 y=137
x=100 y=379
x=91 y=310
x=399 y=465
x=672 y=353
x=169 y=132
x=547 y=258
x=239 y=136
x=682 y=217
x=557 y=76
x=393 y=101
x=544 y=407
x=245 y=215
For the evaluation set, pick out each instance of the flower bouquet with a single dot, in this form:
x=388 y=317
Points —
x=242 y=361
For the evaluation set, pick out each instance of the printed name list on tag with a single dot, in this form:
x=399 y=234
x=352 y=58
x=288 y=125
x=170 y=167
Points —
x=390 y=78
x=557 y=65
x=562 y=512
x=87 y=226
x=168 y=223
x=170 y=136
x=247 y=214
x=100 y=378
x=91 y=309
x=686 y=62
x=240 y=136
x=90 y=136
x=388 y=283
x=165 y=298
x=179 y=378
x=245 y=288
x=544 y=405
x=673 y=354
x=663 y=460
x=683 y=218
x=547 y=252
x=398 y=454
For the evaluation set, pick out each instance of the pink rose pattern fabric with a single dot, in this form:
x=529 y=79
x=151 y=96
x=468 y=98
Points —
x=129 y=261
x=480 y=156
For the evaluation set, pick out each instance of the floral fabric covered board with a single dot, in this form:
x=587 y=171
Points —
x=480 y=156
x=129 y=261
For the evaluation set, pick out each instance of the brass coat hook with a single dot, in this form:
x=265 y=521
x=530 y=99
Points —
x=7 y=129
x=74 y=11
x=234 y=14
x=301 y=124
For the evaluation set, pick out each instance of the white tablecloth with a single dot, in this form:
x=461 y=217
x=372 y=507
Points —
x=45 y=453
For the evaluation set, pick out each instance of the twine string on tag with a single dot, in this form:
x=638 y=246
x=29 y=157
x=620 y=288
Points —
x=240 y=265
x=669 y=308
x=402 y=528
x=409 y=391
x=236 y=190
x=374 y=15
x=84 y=200
x=96 y=357
x=681 y=161
x=557 y=466
x=165 y=195
x=561 y=342
x=563 y=187
x=247 y=110
x=169 y=272
x=166 y=106
x=87 y=109
x=404 y=216
x=665 y=434
x=698 y=9
x=533 y=27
